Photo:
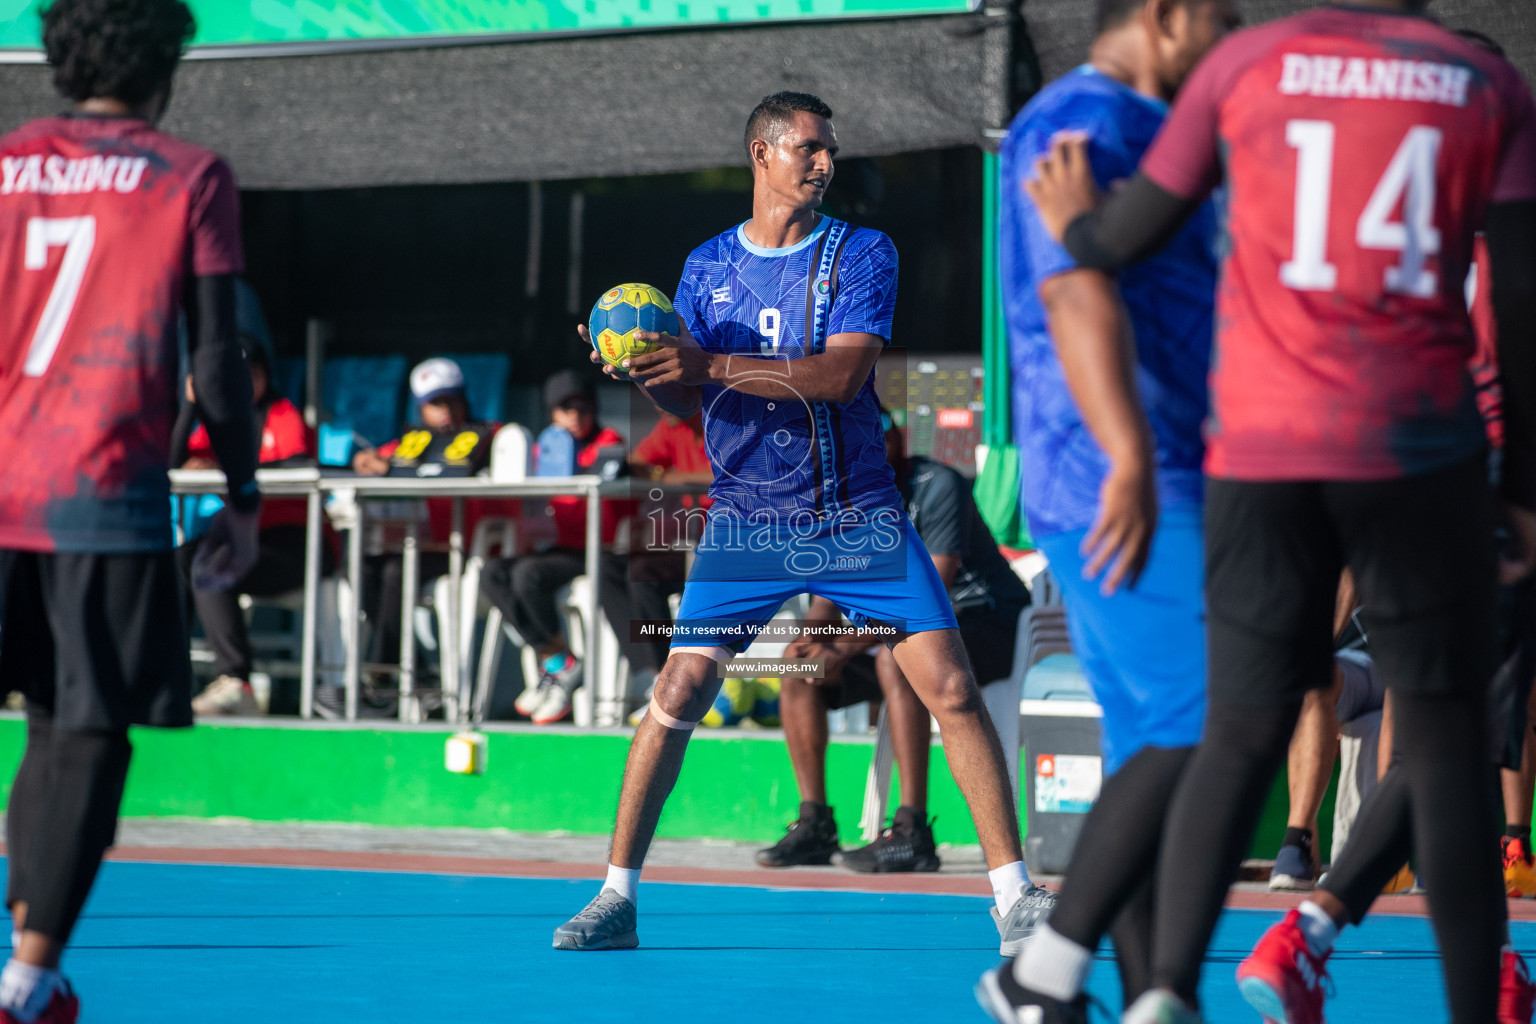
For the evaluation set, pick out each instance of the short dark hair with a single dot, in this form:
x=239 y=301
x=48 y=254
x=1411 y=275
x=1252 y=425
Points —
x=1114 y=13
x=118 y=49
x=770 y=119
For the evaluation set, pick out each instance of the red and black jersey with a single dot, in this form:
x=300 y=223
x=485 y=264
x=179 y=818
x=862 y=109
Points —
x=102 y=223
x=1361 y=151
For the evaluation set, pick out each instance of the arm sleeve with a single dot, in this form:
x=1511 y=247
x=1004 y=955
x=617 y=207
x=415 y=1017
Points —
x=866 y=290
x=1128 y=227
x=223 y=386
x=942 y=519
x=688 y=305
x=1044 y=256
x=1512 y=265
x=1516 y=176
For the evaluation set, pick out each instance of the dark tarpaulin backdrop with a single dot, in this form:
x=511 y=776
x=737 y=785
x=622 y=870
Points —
x=1061 y=29
x=603 y=106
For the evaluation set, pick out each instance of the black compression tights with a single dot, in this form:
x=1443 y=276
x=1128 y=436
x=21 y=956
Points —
x=1439 y=800
x=1109 y=885
x=61 y=820
x=1209 y=828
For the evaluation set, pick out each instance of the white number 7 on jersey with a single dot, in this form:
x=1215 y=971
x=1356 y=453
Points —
x=78 y=236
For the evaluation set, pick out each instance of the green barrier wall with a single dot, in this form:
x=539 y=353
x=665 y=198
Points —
x=735 y=785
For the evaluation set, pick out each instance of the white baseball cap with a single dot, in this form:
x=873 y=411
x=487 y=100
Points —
x=436 y=378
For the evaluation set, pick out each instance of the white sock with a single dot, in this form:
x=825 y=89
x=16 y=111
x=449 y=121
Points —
x=1053 y=965
x=1009 y=882
x=25 y=990
x=625 y=882
x=1320 y=929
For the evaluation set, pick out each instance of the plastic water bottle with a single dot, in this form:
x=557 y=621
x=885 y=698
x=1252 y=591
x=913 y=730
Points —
x=557 y=452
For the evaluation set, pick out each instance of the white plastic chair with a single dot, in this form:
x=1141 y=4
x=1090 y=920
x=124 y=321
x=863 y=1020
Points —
x=1001 y=697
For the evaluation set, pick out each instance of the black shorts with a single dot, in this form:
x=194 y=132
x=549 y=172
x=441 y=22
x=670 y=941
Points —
x=989 y=636
x=1422 y=552
x=95 y=641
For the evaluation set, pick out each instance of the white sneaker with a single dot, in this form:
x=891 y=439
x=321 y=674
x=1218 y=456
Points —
x=226 y=695
x=529 y=700
x=555 y=706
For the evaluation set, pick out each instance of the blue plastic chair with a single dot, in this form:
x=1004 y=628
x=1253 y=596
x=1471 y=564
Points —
x=363 y=394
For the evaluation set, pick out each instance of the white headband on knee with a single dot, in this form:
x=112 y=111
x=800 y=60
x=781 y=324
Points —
x=667 y=720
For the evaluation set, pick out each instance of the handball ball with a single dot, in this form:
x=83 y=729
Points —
x=621 y=312
x=733 y=704
x=765 y=703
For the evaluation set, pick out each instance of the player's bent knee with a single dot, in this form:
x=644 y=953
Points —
x=952 y=692
x=684 y=690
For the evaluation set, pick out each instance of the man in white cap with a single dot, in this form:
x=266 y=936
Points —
x=437 y=385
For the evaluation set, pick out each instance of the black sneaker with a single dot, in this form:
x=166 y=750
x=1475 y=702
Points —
x=810 y=839
x=905 y=845
x=1008 y=1002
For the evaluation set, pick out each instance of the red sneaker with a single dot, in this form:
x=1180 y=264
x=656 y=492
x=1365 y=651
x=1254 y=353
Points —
x=64 y=1008
x=1282 y=979
x=1517 y=995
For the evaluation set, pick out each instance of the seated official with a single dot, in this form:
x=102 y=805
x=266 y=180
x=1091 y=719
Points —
x=280 y=568
x=988 y=600
x=523 y=588
x=448 y=442
x=637 y=586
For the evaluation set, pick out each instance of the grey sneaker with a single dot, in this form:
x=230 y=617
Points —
x=1159 y=1006
x=1027 y=913
x=608 y=922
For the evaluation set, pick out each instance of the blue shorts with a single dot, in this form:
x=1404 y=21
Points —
x=872 y=566
x=1143 y=650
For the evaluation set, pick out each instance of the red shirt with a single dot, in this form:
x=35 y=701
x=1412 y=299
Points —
x=284 y=435
x=1362 y=150
x=570 y=510
x=680 y=446
x=102 y=220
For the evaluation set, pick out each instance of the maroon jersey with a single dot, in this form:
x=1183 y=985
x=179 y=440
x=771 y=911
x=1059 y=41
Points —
x=102 y=220
x=1361 y=151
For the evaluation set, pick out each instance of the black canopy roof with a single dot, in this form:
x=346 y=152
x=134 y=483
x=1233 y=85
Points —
x=598 y=106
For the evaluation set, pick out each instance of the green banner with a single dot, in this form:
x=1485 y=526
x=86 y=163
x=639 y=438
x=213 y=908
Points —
x=316 y=25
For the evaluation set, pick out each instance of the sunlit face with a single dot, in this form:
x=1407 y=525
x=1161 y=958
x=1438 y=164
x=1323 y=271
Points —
x=798 y=166
x=444 y=414
x=1188 y=34
x=576 y=414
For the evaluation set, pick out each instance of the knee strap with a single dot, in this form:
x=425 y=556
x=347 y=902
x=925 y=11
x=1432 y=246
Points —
x=667 y=720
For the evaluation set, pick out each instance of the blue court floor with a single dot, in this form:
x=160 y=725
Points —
x=171 y=943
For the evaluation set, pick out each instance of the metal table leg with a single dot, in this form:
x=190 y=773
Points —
x=354 y=627
x=590 y=612
x=311 y=613
x=455 y=679
x=410 y=710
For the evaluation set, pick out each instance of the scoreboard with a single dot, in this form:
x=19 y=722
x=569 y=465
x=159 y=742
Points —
x=937 y=402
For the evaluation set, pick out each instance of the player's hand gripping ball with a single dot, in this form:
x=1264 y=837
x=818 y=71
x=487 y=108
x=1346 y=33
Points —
x=621 y=312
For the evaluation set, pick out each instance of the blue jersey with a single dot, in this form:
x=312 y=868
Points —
x=1169 y=297
x=780 y=304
